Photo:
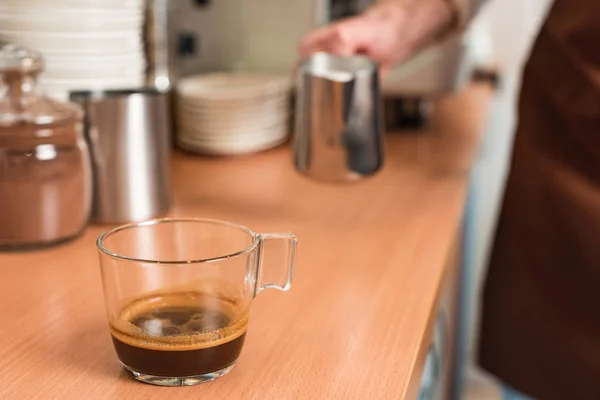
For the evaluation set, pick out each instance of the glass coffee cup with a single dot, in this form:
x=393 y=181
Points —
x=178 y=293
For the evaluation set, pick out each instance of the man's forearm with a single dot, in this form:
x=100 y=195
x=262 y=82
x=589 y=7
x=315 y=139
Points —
x=419 y=22
x=422 y=22
x=463 y=10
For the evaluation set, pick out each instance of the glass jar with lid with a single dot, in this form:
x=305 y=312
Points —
x=45 y=171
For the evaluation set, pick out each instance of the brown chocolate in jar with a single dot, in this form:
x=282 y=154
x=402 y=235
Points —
x=45 y=174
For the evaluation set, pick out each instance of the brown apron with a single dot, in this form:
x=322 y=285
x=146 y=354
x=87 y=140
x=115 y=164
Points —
x=541 y=308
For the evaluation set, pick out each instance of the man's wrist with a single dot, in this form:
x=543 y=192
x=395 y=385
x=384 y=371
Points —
x=420 y=21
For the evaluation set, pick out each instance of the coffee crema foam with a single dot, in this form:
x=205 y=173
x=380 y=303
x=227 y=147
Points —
x=186 y=320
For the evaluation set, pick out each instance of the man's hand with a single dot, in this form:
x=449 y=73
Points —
x=388 y=32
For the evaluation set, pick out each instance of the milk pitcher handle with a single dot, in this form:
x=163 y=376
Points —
x=276 y=259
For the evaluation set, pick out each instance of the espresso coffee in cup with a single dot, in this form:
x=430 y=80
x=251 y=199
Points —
x=180 y=334
x=178 y=293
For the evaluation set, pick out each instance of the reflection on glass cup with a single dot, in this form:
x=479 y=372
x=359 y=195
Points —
x=178 y=293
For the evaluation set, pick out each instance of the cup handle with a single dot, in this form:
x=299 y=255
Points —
x=275 y=249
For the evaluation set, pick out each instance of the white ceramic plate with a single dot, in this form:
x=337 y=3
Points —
x=233 y=112
x=69 y=15
x=119 y=58
x=89 y=84
x=87 y=76
x=72 y=44
x=74 y=75
x=68 y=11
x=234 y=102
x=249 y=132
x=69 y=54
x=133 y=61
x=79 y=66
x=228 y=149
x=207 y=106
x=233 y=140
x=64 y=50
x=57 y=23
x=226 y=126
x=104 y=4
x=222 y=86
x=59 y=36
x=247 y=135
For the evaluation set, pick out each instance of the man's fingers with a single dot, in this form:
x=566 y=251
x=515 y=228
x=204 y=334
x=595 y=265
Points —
x=343 y=38
x=314 y=41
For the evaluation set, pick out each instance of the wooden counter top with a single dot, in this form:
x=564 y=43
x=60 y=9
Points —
x=371 y=262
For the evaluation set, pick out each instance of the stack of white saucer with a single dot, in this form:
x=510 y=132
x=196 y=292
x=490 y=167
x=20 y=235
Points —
x=227 y=114
x=86 y=44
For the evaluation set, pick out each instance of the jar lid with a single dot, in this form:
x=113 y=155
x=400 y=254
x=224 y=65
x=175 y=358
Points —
x=21 y=58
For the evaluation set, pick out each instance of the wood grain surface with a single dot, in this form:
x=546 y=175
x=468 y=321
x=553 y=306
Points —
x=356 y=323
